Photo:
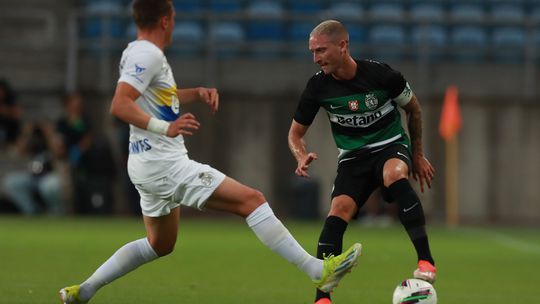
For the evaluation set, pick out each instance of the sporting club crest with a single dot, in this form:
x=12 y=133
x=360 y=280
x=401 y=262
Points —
x=371 y=101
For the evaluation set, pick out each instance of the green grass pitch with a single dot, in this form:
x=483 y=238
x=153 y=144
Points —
x=221 y=261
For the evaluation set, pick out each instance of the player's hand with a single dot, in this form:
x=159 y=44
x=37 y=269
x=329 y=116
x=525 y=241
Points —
x=303 y=164
x=184 y=125
x=210 y=96
x=423 y=171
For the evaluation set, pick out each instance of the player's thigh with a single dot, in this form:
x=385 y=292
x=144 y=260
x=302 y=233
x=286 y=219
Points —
x=162 y=231
x=355 y=182
x=392 y=164
x=234 y=197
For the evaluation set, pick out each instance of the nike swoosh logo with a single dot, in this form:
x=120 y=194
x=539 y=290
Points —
x=399 y=153
x=346 y=159
x=335 y=107
x=325 y=244
x=409 y=209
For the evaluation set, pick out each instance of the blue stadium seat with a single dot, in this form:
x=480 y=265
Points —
x=344 y=10
x=508 y=44
x=388 y=42
x=188 y=38
x=187 y=6
x=507 y=13
x=306 y=6
x=298 y=36
x=469 y=42
x=534 y=13
x=131 y=31
x=228 y=37
x=432 y=38
x=386 y=11
x=433 y=35
x=267 y=31
x=225 y=5
x=427 y=12
x=467 y=12
x=100 y=13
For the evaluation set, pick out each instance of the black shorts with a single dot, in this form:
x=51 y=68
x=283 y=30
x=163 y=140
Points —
x=360 y=173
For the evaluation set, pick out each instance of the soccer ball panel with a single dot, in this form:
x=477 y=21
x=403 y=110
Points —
x=414 y=291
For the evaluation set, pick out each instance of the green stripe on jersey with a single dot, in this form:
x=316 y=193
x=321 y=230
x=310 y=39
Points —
x=346 y=142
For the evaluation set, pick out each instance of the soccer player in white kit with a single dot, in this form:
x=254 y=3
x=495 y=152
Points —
x=147 y=98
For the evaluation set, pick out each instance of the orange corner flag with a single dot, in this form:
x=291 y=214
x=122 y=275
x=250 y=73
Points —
x=450 y=122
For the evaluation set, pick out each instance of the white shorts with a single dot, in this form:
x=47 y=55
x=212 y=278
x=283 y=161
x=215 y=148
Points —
x=189 y=185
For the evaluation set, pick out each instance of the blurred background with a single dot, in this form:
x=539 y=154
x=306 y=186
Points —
x=61 y=153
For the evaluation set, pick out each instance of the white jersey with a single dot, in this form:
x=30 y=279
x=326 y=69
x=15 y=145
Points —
x=151 y=156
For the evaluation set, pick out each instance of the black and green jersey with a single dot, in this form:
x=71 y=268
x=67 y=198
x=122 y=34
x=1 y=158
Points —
x=362 y=111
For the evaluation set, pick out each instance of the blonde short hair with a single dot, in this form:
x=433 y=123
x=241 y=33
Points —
x=334 y=29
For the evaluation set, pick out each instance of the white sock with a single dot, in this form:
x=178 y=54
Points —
x=275 y=236
x=124 y=260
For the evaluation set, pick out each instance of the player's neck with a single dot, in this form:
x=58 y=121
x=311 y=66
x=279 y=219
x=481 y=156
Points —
x=347 y=71
x=153 y=37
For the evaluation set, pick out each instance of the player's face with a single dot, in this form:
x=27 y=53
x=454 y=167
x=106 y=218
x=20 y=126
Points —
x=327 y=53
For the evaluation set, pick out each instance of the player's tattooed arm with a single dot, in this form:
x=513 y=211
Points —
x=423 y=171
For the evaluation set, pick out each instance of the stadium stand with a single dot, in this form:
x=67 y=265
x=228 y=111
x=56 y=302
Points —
x=229 y=36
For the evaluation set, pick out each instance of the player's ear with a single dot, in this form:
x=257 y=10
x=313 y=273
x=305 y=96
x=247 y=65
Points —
x=164 y=22
x=343 y=45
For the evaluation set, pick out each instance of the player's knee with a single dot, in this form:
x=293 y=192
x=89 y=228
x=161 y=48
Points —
x=252 y=200
x=391 y=174
x=162 y=247
x=344 y=209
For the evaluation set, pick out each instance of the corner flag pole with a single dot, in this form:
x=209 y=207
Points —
x=449 y=126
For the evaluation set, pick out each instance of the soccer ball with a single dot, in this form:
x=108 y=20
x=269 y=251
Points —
x=414 y=291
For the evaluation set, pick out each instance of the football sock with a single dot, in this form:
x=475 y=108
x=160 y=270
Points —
x=275 y=236
x=411 y=215
x=124 y=260
x=330 y=242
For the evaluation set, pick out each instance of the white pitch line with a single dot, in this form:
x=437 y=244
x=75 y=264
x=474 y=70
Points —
x=508 y=241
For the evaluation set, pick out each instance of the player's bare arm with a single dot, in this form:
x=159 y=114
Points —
x=209 y=96
x=123 y=106
x=423 y=171
x=297 y=146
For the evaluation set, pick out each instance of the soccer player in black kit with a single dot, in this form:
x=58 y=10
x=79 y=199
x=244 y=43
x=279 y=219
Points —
x=361 y=99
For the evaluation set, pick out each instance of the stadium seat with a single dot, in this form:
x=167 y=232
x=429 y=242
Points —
x=305 y=6
x=348 y=13
x=469 y=43
x=507 y=13
x=187 y=6
x=383 y=10
x=387 y=42
x=131 y=31
x=298 y=35
x=266 y=28
x=432 y=38
x=508 y=44
x=225 y=6
x=188 y=38
x=467 y=12
x=99 y=15
x=298 y=30
x=344 y=10
x=427 y=12
x=228 y=37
